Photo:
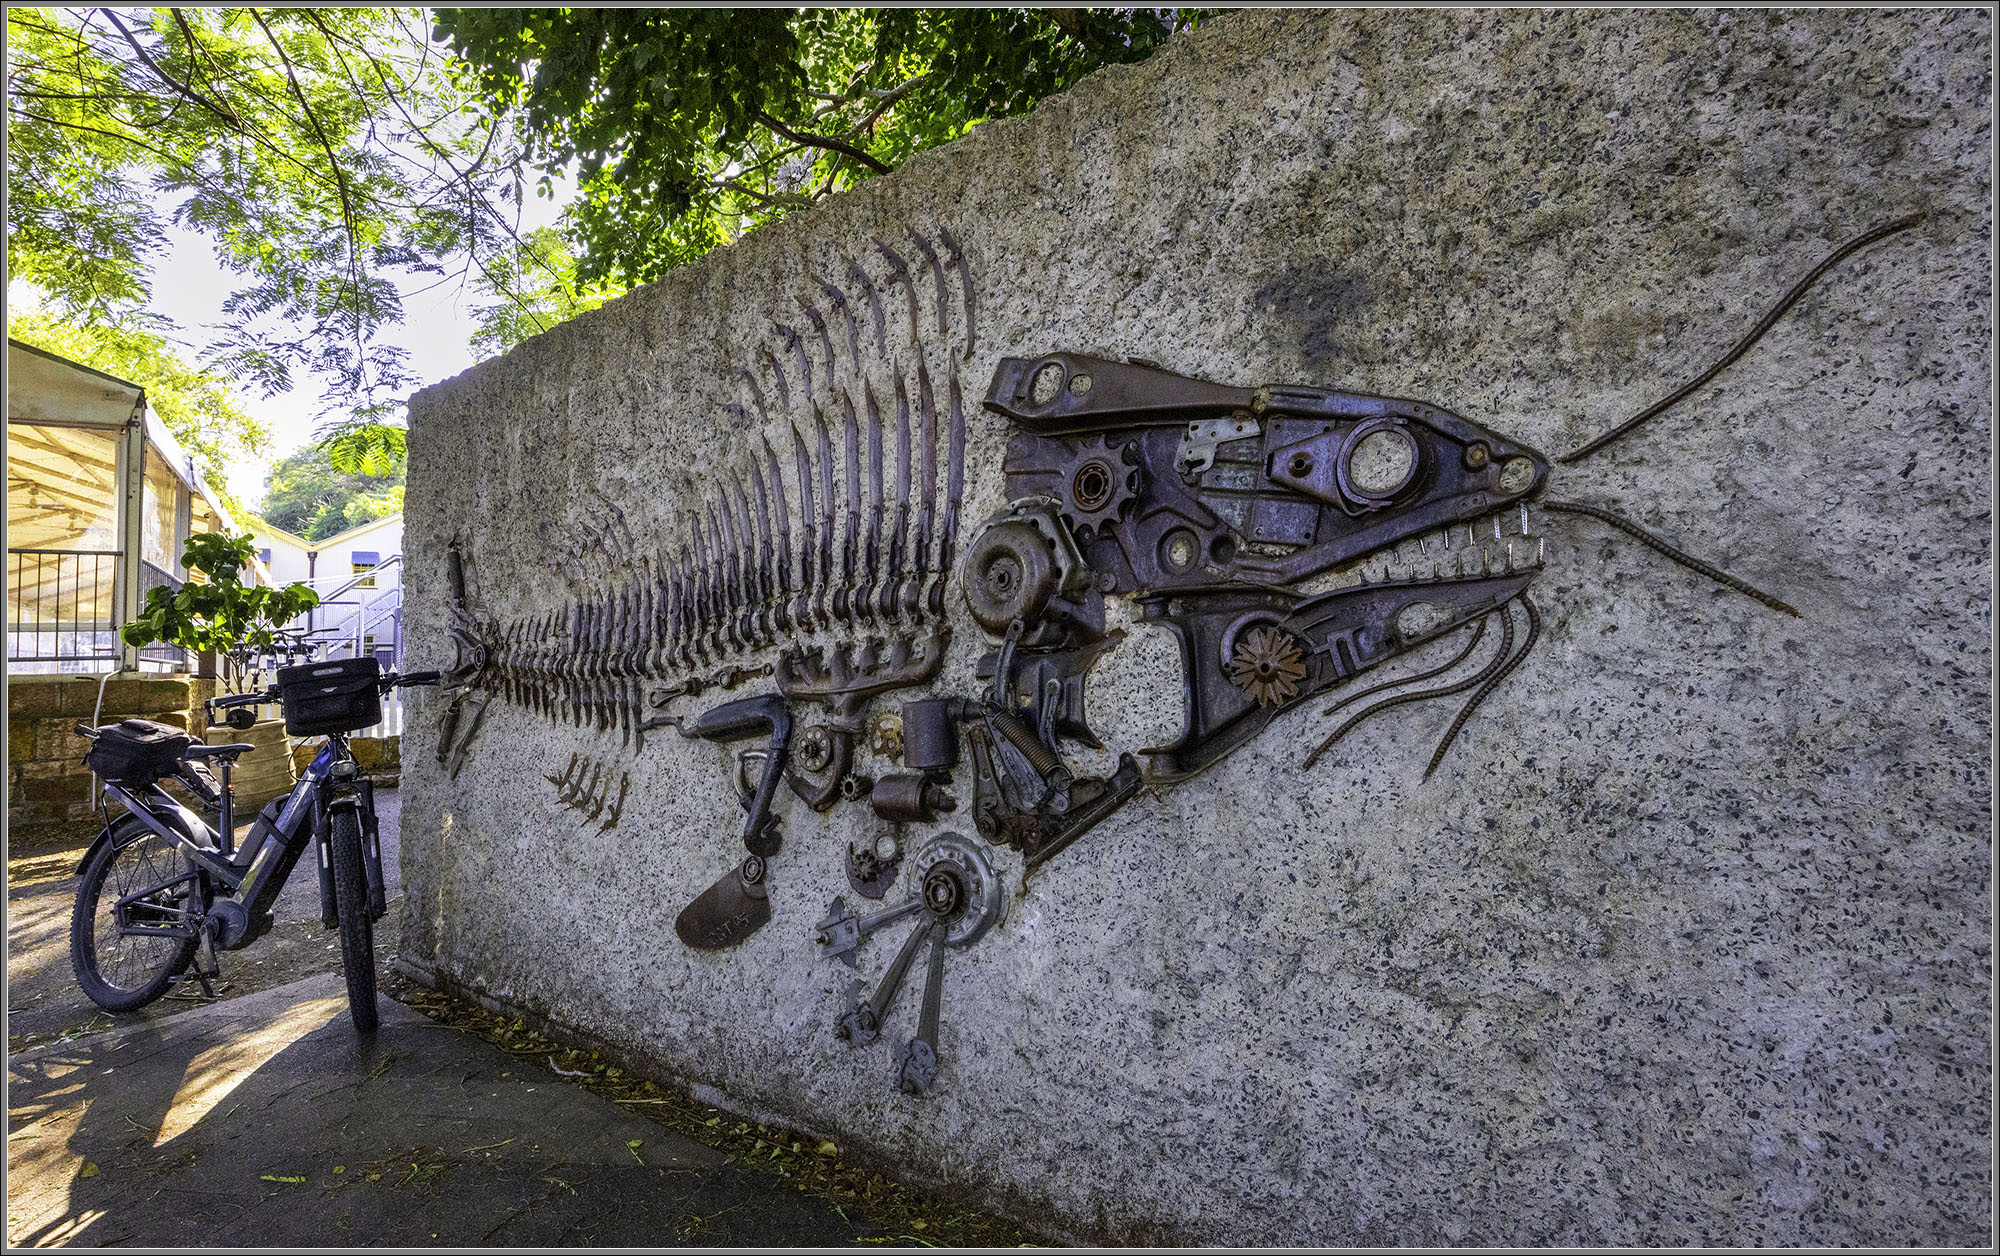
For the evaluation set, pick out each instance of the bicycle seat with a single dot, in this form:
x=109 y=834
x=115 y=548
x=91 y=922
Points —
x=219 y=752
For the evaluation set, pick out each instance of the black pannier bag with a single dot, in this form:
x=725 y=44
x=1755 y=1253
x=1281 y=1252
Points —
x=336 y=697
x=137 y=752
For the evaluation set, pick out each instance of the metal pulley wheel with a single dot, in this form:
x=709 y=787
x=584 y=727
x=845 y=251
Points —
x=1010 y=574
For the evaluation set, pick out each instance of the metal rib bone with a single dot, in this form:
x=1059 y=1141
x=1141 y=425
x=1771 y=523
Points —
x=954 y=489
x=937 y=274
x=839 y=299
x=865 y=599
x=927 y=442
x=784 y=556
x=956 y=260
x=899 y=271
x=778 y=374
x=851 y=541
x=826 y=509
x=771 y=551
x=798 y=348
x=802 y=611
x=892 y=596
x=825 y=340
x=874 y=305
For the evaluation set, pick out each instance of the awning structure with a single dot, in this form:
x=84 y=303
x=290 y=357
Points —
x=100 y=502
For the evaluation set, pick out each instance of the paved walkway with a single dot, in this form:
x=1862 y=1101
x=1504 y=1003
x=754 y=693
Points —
x=266 y=1121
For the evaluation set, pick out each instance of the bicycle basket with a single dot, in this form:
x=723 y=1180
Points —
x=137 y=752
x=336 y=697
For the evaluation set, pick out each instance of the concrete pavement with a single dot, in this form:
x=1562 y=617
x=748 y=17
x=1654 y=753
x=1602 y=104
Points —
x=266 y=1121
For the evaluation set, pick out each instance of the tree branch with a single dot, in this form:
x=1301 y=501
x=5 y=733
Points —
x=827 y=142
x=235 y=123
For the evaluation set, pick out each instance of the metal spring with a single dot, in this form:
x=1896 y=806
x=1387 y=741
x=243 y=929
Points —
x=1039 y=757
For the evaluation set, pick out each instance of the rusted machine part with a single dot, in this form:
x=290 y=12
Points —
x=872 y=867
x=843 y=680
x=738 y=904
x=1270 y=485
x=910 y=798
x=930 y=732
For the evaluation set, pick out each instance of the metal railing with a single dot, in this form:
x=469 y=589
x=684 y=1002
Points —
x=60 y=606
x=374 y=607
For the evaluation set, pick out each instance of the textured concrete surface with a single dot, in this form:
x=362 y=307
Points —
x=1689 y=941
x=267 y=1123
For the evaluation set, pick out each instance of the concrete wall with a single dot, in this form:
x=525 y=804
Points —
x=49 y=789
x=1688 y=942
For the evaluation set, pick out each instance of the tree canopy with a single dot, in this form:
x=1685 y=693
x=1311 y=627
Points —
x=308 y=496
x=333 y=154
x=688 y=126
x=324 y=152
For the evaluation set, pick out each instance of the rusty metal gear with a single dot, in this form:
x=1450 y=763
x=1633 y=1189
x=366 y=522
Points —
x=1268 y=664
x=1098 y=482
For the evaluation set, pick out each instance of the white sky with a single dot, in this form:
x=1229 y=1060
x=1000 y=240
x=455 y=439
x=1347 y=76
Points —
x=190 y=287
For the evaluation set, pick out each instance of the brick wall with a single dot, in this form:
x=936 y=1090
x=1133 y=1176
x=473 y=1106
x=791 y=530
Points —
x=48 y=788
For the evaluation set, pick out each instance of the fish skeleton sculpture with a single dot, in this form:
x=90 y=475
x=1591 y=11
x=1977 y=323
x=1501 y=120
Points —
x=1235 y=518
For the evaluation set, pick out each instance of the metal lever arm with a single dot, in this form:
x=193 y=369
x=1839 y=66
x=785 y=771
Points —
x=748 y=717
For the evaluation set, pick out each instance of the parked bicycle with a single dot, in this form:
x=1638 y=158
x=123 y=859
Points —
x=159 y=884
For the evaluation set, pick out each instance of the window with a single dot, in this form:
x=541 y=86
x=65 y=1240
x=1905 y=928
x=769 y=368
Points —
x=264 y=556
x=364 y=561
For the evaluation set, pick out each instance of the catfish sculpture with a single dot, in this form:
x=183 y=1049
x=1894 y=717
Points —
x=1229 y=517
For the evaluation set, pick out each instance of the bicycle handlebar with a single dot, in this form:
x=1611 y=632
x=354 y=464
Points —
x=242 y=699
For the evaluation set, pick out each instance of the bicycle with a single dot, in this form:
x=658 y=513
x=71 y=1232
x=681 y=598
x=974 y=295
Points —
x=159 y=883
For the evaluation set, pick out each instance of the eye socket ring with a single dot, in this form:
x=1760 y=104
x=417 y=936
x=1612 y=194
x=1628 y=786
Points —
x=1379 y=462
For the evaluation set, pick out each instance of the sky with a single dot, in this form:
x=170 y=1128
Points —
x=190 y=287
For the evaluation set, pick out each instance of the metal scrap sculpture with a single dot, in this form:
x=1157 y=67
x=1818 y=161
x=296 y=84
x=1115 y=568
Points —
x=1240 y=520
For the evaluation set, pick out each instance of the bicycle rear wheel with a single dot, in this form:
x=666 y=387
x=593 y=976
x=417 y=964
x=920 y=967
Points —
x=357 y=932
x=122 y=971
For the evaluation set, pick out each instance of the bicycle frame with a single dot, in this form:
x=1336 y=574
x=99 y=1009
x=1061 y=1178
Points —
x=252 y=878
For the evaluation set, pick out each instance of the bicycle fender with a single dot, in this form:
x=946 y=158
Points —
x=146 y=816
x=90 y=852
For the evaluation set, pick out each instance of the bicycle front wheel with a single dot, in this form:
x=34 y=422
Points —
x=357 y=932
x=145 y=878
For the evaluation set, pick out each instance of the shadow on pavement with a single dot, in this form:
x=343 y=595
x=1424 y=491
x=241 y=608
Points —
x=266 y=1121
